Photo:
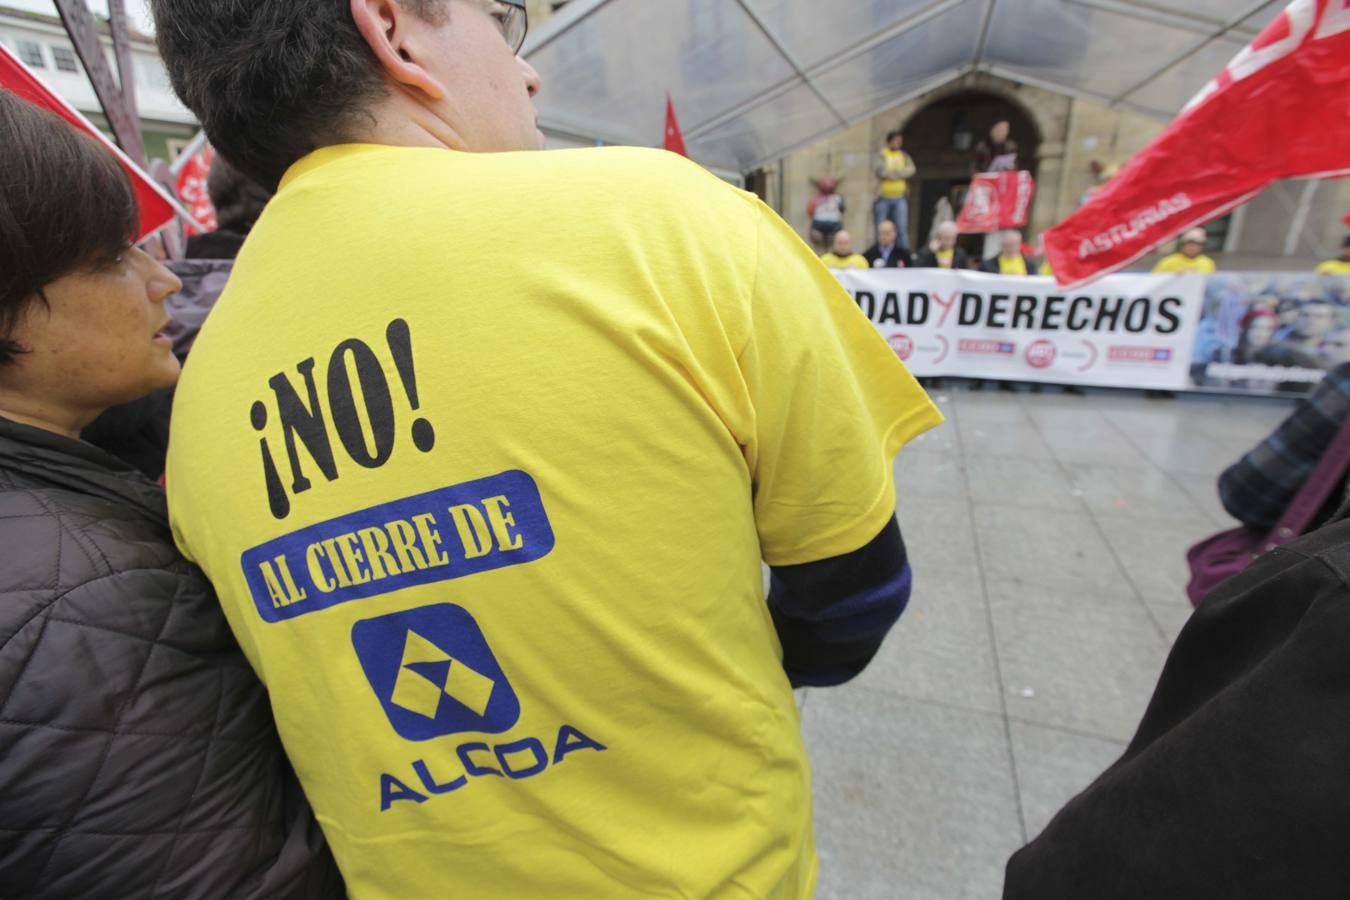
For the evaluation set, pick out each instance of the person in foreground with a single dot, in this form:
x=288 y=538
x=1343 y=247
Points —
x=487 y=517
x=138 y=756
x=1234 y=786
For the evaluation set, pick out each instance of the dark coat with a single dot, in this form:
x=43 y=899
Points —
x=927 y=259
x=898 y=258
x=138 y=757
x=1235 y=786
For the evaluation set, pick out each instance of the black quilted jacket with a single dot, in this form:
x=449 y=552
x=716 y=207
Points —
x=138 y=758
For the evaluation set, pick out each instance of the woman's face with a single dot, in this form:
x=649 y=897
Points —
x=97 y=342
x=1259 y=332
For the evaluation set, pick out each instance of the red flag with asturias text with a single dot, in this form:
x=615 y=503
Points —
x=1280 y=109
x=156 y=209
x=674 y=140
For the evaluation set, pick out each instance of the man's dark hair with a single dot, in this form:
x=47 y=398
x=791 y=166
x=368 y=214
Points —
x=892 y=135
x=271 y=80
x=65 y=205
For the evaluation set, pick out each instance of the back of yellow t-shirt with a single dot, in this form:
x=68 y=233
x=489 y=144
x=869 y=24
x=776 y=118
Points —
x=483 y=478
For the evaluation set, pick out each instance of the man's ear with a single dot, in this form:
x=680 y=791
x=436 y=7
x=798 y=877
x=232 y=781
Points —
x=387 y=28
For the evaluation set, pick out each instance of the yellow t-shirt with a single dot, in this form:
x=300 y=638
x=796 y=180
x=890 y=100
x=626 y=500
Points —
x=945 y=258
x=1334 y=267
x=854 y=261
x=487 y=515
x=1047 y=269
x=894 y=161
x=1015 y=265
x=1178 y=263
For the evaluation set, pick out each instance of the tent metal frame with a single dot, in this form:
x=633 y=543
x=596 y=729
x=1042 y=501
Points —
x=1206 y=30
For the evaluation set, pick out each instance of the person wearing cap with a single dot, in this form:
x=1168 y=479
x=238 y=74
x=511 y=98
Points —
x=1190 y=258
x=1340 y=265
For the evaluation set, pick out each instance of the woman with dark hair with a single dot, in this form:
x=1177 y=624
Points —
x=138 y=757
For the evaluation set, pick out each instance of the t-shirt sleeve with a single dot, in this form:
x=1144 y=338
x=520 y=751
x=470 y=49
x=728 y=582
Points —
x=832 y=406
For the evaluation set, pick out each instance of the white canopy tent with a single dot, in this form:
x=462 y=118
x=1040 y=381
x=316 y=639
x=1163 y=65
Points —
x=754 y=80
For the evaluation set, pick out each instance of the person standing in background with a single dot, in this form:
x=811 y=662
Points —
x=997 y=153
x=886 y=253
x=942 y=252
x=1010 y=260
x=826 y=210
x=1189 y=258
x=894 y=169
x=1340 y=265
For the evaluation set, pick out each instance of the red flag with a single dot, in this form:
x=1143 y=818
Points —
x=674 y=139
x=1281 y=109
x=191 y=172
x=996 y=201
x=156 y=207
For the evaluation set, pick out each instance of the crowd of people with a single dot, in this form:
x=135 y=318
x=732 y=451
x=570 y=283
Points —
x=428 y=587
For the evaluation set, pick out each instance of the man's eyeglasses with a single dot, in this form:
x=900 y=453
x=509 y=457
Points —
x=514 y=22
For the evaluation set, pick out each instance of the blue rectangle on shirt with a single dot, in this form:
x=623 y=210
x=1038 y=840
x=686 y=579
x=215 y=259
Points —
x=444 y=534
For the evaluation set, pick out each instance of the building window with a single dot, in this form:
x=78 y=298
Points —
x=31 y=54
x=65 y=59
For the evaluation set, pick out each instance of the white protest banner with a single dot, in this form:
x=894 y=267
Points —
x=1122 y=331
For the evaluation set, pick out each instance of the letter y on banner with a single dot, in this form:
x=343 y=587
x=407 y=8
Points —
x=1280 y=109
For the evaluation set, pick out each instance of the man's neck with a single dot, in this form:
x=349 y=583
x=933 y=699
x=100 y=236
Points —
x=397 y=121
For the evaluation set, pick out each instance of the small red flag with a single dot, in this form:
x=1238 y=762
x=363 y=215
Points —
x=674 y=140
x=156 y=208
x=1281 y=109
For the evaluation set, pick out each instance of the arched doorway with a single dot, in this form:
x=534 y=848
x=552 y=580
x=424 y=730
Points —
x=941 y=138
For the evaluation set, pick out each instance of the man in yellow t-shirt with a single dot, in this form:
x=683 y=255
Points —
x=1010 y=260
x=894 y=169
x=1190 y=256
x=841 y=255
x=1339 y=266
x=487 y=516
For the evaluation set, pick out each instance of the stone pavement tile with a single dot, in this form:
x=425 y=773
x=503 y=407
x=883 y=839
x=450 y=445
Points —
x=1153 y=551
x=938 y=534
x=1054 y=766
x=1099 y=443
x=913 y=801
x=1149 y=493
x=1071 y=662
x=1023 y=483
x=1137 y=419
x=933 y=475
x=1079 y=416
x=1059 y=549
x=1204 y=490
x=1172 y=616
x=941 y=649
x=1188 y=451
x=1000 y=439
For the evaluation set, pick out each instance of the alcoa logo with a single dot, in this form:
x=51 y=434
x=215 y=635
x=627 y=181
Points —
x=434 y=674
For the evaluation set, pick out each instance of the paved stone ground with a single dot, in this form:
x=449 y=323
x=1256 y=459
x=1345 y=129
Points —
x=1048 y=535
